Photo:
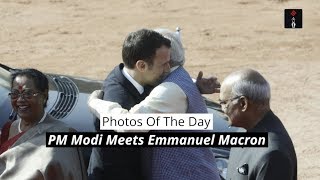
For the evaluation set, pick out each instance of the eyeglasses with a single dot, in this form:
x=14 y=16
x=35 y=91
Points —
x=224 y=102
x=24 y=94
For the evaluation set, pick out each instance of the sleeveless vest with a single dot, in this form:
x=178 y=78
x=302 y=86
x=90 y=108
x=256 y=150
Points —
x=185 y=163
x=182 y=78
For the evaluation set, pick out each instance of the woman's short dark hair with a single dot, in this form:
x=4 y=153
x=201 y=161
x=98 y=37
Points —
x=39 y=79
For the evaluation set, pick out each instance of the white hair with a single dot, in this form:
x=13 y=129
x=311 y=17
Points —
x=177 y=51
x=251 y=84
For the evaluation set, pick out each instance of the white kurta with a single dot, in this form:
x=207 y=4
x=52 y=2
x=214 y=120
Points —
x=167 y=97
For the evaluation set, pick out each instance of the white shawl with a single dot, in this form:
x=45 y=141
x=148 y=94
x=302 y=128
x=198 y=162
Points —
x=29 y=158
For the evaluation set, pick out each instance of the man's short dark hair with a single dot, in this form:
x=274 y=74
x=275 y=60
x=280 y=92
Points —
x=142 y=45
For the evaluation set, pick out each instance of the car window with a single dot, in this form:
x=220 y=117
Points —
x=5 y=106
x=4 y=78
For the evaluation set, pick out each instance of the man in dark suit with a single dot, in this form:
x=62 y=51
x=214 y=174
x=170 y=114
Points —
x=244 y=98
x=146 y=56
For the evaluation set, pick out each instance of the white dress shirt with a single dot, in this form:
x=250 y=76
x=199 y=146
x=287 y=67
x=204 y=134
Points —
x=134 y=82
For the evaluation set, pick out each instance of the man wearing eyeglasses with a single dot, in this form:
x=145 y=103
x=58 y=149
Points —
x=245 y=99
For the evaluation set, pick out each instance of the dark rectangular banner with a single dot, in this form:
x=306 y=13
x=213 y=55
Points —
x=98 y=139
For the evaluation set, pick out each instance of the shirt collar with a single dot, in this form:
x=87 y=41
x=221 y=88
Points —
x=134 y=82
x=173 y=68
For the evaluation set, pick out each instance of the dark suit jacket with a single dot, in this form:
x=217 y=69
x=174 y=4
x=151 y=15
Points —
x=119 y=163
x=278 y=161
x=117 y=88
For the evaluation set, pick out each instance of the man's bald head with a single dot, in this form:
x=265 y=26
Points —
x=249 y=83
x=245 y=97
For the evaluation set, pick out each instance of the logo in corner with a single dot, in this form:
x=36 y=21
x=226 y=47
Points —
x=293 y=18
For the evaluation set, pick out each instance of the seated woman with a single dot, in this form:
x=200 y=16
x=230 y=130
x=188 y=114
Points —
x=23 y=151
